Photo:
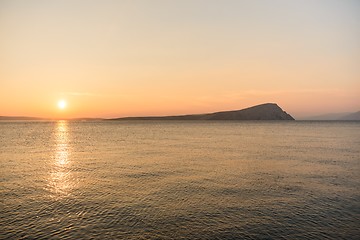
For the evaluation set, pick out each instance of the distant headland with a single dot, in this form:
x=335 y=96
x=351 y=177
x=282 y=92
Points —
x=267 y=111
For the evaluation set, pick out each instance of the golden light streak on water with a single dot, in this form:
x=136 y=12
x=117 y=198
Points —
x=61 y=179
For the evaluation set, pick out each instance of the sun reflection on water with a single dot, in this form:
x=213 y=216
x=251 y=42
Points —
x=62 y=153
x=61 y=181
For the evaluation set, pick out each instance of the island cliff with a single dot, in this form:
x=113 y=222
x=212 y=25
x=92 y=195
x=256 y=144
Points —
x=267 y=111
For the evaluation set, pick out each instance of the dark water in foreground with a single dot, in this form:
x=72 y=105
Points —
x=180 y=180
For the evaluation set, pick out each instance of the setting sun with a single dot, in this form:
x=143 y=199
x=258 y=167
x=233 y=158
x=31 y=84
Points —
x=62 y=104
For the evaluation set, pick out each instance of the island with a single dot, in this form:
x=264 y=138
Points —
x=267 y=111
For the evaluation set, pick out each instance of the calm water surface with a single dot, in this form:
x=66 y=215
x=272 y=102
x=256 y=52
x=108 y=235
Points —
x=179 y=180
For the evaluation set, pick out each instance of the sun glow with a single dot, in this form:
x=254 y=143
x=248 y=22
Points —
x=62 y=104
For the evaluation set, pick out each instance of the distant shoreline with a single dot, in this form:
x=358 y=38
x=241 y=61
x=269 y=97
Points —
x=164 y=120
x=262 y=112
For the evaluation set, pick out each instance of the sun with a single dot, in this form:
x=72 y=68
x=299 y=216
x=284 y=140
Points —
x=62 y=104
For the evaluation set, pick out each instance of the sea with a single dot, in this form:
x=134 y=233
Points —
x=179 y=180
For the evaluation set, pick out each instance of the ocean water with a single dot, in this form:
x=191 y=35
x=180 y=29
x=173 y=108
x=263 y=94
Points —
x=179 y=180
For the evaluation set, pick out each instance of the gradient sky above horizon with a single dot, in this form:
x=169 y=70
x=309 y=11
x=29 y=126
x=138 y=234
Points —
x=130 y=58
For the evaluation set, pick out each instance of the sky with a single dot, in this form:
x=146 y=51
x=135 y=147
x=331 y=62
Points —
x=110 y=58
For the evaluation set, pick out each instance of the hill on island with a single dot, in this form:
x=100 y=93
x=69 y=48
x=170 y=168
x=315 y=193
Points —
x=267 y=111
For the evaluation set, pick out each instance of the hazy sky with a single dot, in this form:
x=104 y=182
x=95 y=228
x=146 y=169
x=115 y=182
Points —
x=159 y=57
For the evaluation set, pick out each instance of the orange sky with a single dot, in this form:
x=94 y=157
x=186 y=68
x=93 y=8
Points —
x=130 y=58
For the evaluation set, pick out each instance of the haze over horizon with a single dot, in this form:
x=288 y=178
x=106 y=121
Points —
x=136 y=58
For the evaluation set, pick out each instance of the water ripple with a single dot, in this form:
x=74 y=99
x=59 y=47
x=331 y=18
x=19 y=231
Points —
x=106 y=180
